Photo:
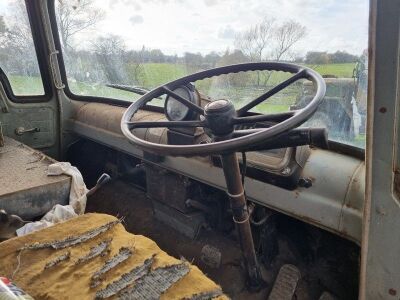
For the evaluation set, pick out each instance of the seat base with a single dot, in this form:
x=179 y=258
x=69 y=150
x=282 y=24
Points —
x=70 y=272
x=26 y=190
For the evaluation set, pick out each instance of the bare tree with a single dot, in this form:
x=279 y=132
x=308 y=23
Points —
x=17 y=43
x=269 y=41
x=110 y=52
x=134 y=62
x=75 y=16
x=253 y=42
x=286 y=36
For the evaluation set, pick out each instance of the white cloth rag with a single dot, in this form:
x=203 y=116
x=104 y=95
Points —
x=60 y=213
x=77 y=195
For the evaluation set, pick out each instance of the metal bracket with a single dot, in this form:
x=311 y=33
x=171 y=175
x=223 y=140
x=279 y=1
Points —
x=57 y=83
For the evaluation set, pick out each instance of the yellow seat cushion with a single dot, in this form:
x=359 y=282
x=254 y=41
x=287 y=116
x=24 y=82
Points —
x=45 y=273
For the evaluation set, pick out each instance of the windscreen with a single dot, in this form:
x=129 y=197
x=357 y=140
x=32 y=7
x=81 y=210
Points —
x=114 y=48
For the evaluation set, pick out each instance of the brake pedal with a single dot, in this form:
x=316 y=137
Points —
x=285 y=283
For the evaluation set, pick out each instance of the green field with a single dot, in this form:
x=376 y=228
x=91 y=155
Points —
x=155 y=74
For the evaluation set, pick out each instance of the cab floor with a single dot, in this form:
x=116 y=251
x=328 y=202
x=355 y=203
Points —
x=121 y=199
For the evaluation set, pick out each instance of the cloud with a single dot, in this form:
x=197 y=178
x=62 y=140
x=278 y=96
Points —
x=227 y=33
x=136 y=19
x=210 y=2
x=331 y=25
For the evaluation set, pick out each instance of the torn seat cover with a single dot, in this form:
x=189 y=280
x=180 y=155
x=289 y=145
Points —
x=133 y=260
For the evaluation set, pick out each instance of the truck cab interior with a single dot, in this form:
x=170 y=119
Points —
x=229 y=150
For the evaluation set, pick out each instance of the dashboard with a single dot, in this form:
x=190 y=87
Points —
x=331 y=195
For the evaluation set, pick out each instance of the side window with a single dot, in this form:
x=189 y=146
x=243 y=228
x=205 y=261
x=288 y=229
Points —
x=18 y=59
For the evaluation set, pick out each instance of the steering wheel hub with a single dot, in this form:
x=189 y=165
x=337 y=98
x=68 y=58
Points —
x=218 y=106
x=219 y=115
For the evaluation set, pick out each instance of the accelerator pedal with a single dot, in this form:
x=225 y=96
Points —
x=327 y=296
x=285 y=283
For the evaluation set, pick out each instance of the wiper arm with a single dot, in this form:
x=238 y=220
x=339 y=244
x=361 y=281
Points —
x=129 y=88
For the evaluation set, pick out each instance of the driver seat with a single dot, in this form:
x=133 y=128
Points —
x=94 y=257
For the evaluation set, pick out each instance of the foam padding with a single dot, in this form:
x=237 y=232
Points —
x=69 y=280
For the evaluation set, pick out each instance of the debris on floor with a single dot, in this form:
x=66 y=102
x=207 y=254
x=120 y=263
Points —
x=60 y=213
x=9 y=224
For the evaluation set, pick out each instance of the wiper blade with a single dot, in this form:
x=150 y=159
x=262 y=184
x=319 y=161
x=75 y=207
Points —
x=129 y=88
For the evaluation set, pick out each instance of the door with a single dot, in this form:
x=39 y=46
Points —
x=28 y=108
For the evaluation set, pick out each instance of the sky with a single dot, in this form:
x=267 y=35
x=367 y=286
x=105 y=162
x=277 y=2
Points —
x=178 y=26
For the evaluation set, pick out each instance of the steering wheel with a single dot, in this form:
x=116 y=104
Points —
x=220 y=116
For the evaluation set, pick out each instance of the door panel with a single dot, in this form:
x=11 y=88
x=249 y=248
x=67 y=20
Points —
x=26 y=118
x=28 y=105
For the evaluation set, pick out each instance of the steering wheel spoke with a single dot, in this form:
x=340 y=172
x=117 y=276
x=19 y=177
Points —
x=264 y=118
x=184 y=101
x=299 y=75
x=244 y=132
x=221 y=118
x=167 y=124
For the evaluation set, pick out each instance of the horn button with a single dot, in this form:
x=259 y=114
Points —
x=219 y=115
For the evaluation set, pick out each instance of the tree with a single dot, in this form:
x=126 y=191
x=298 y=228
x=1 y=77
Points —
x=134 y=64
x=253 y=42
x=210 y=60
x=110 y=52
x=73 y=18
x=235 y=79
x=193 y=60
x=286 y=36
x=269 y=40
x=316 y=58
x=17 y=43
x=342 y=57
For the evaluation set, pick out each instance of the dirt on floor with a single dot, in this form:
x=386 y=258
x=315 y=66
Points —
x=123 y=200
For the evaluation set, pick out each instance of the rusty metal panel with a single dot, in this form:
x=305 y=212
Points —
x=321 y=205
x=42 y=118
x=25 y=188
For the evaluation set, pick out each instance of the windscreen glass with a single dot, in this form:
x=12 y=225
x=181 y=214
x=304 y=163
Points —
x=115 y=48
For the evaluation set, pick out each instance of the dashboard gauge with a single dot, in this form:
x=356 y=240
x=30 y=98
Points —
x=176 y=111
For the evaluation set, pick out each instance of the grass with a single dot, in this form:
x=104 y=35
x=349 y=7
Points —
x=339 y=70
x=155 y=74
x=26 y=85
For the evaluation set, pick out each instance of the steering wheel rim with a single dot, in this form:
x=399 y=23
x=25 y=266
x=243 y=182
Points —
x=237 y=143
